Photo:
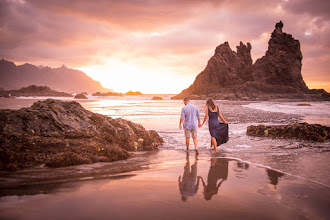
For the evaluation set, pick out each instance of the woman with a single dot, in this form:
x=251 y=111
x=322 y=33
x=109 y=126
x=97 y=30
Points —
x=218 y=131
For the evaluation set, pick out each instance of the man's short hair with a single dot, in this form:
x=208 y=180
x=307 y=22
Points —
x=186 y=99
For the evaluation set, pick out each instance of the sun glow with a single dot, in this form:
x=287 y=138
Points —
x=122 y=76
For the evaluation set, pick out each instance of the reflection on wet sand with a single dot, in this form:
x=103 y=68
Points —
x=274 y=176
x=218 y=173
x=188 y=185
x=245 y=193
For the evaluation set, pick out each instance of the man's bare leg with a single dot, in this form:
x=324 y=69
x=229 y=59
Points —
x=195 y=143
x=187 y=143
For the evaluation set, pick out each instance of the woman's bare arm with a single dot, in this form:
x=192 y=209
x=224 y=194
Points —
x=224 y=121
x=206 y=115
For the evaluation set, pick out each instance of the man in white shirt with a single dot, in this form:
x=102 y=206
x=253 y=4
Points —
x=189 y=116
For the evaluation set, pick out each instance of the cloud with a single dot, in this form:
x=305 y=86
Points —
x=28 y=34
x=179 y=36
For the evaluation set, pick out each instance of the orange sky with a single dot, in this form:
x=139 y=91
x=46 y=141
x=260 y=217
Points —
x=157 y=46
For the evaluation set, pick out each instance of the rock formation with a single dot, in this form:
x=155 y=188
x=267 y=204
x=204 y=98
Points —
x=60 y=79
x=133 y=93
x=231 y=75
x=58 y=133
x=34 y=90
x=157 y=98
x=80 y=96
x=108 y=94
x=301 y=131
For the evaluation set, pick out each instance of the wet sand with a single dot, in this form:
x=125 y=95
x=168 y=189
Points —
x=172 y=189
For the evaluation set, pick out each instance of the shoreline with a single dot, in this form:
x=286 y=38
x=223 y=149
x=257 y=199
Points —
x=143 y=161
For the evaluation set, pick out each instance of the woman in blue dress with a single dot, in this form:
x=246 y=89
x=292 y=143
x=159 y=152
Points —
x=218 y=131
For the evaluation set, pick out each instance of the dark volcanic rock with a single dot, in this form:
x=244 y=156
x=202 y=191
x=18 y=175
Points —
x=58 y=133
x=133 y=93
x=34 y=91
x=107 y=94
x=80 y=96
x=277 y=75
x=302 y=131
x=157 y=98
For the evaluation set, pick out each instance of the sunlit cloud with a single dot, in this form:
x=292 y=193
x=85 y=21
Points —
x=157 y=46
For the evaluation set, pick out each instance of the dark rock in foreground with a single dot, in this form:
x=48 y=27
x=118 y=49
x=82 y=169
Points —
x=301 y=131
x=230 y=75
x=81 y=96
x=34 y=90
x=58 y=133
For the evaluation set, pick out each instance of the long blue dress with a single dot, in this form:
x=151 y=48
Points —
x=217 y=130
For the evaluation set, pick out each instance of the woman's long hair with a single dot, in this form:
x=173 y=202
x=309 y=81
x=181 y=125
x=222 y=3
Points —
x=210 y=103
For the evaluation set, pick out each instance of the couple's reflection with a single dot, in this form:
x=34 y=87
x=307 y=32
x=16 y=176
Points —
x=218 y=173
x=188 y=185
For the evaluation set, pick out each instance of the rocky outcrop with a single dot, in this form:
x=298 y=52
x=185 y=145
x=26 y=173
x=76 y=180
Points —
x=108 y=94
x=80 y=96
x=34 y=90
x=57 y=133
x=133 y=93
x=156 y=98
x=277 y=75
x=301 y=131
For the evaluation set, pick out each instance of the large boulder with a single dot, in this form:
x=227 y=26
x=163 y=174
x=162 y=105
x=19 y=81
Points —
x=301 y=131
x=58 y=133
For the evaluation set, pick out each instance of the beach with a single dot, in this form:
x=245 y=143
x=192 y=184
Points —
x=258 y=178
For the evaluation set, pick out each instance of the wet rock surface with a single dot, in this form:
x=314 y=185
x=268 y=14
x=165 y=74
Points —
x=301 y=131
x=58 y=133
x=230 y=75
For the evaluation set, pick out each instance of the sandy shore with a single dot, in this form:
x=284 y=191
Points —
x=165 y=184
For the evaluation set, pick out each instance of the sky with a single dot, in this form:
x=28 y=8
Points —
x=158 y=46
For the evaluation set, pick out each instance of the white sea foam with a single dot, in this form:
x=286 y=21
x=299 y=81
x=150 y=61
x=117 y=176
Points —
x=315 y=108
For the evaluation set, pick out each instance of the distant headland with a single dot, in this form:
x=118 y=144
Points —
x=231 y=75
x=59 y=79
x=33 y=90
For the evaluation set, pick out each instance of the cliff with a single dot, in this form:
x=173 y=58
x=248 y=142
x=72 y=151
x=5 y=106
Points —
x=60 y=79
x=277 y=75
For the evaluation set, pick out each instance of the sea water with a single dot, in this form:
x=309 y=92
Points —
x=305 y=159
x=258 y=177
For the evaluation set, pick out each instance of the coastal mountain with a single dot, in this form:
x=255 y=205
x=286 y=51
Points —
x=59 y=79
x=277 y=75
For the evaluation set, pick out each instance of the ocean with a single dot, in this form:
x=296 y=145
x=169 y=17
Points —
x=285 y=172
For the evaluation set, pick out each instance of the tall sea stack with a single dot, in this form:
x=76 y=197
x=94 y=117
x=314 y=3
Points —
x=277 y=75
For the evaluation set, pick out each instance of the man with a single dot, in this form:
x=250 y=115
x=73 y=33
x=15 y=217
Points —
x=189 y=115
